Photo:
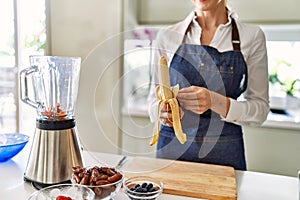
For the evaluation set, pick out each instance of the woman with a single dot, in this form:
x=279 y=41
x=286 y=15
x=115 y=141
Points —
x=215 y=60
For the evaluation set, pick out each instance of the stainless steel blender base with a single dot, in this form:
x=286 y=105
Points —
x=53 y=154
x=39 y=186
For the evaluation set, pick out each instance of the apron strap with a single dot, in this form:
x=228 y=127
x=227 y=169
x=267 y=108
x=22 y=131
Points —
x=235 y=36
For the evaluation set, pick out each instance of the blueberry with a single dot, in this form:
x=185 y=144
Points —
x=139 y=189
x=151 y=189
x=137 y=186
x=144 y=185
x=144 y=190
x=132 y=189
x=149 y=186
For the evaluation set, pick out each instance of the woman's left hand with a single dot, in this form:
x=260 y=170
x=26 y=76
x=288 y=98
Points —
x=194 y=98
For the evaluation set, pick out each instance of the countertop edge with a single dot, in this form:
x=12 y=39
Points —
x=273 y=120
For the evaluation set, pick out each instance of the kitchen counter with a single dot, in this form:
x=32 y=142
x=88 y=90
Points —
x=289 y=120
x=250 y=185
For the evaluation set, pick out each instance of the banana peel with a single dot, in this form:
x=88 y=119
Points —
x=166 y=95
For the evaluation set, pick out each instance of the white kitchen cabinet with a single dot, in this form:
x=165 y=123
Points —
x=163 y=12
x=272 y=150
x=267 y=11
x=136 y=134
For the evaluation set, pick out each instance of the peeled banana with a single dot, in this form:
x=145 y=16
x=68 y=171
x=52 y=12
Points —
x=167 y=96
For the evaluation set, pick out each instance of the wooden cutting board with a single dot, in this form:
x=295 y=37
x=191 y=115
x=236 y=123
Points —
x=187 y=178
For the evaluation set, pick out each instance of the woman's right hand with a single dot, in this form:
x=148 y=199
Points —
x=166 y=115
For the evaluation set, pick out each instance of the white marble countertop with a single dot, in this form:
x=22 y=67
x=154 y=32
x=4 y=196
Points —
x=250 y=185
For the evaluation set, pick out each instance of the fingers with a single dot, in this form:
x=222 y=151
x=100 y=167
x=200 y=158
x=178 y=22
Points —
x=195 y=99
x=167 y=122
x=195 y=106
x=166 y=115
x=166 y=119
x=193 y=93
x=194 y=103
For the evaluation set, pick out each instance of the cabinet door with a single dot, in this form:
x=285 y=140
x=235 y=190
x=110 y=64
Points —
x=136 y=135
x=272 y=150
x=163 y=12
x=267 y=11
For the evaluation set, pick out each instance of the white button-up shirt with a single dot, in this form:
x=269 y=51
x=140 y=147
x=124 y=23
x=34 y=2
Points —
x=250 y=109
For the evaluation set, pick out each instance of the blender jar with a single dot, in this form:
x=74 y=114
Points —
x=54 y=82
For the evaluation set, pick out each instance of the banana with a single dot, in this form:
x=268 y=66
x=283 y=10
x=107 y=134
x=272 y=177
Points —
x=167 y=96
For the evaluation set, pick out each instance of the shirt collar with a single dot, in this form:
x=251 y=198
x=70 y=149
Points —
x=231 y=14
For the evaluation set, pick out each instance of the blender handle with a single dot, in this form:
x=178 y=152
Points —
x=24 y=86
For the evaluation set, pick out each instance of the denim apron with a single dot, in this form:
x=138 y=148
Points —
x=209 y=138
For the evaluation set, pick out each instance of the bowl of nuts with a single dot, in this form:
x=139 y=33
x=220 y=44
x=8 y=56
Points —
x=104 y=181
x=142 y=187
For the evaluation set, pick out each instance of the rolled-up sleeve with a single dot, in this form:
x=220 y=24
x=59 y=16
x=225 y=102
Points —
x=253 y=109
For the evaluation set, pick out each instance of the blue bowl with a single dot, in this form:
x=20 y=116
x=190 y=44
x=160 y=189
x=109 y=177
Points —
x=11 y=144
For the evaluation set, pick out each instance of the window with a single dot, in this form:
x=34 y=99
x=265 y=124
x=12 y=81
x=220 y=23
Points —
x=23 y=33
x=283 y=45
x=137 y=64
x=136 y=72
x=284 y=68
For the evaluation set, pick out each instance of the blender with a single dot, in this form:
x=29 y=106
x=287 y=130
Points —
x=50 y=85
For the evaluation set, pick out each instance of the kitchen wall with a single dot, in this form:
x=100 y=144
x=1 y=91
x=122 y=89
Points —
x=90 y=29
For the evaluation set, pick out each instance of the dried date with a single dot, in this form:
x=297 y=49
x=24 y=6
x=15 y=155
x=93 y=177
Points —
x=97 y=176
